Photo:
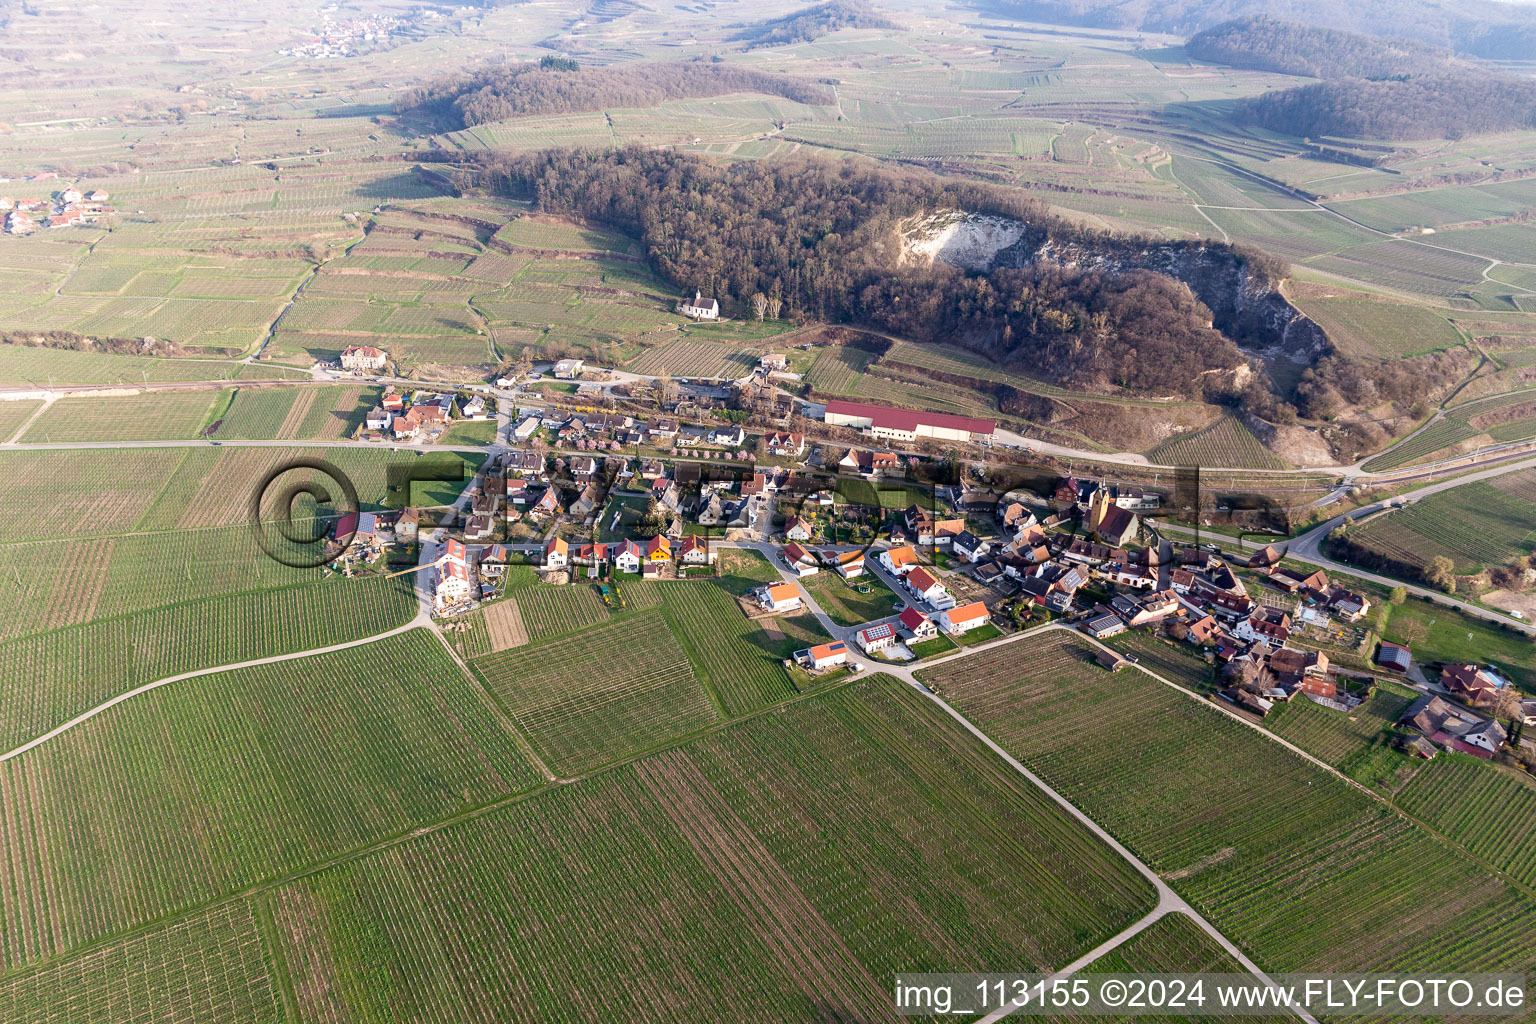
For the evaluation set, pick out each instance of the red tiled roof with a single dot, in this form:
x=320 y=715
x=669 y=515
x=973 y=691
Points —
x=913 y=619
x=783 y=591
x=968 y=612
x=908 y=419
x=921 y=579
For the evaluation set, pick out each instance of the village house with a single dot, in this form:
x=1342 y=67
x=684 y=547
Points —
x=479 y=528
x=796 y=528
x=694 y=550
x=1394 y=657
x=1469 y=682
x=730 y=436
x=547 y=505
x=800 y=561
x=589 y=500
x=877 y=637
x=1139 y=577
x=774 y=362
x=393 y=401
x=627 y=555
x=780 y=443
x=1204 y=631
x=870 y=464
x=1269 y=626
x=557 y=553
x=1154 y=607
x=569 y=369
x=658 y=549
x=899 y=561
x=1015 y=517
x=363 y=358
x=968 y=546
x=850 y=564
x=1441 y=722
x=964 y=618
x=780 y=597
x=377 y=419
x=926 y=587
x=823 y=656
x=917 y=626
x=700 y=308
x=1103 y=623
x=1290 y=580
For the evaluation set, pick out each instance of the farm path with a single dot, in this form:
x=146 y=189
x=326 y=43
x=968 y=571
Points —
x=1168 y=901
x=1324 y=765
x=27 y=425
x=418 y=621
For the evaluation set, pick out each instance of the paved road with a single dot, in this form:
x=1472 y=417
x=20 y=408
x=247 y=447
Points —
x=1308 y=546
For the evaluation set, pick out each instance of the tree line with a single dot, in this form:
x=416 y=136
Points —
x=1263 y=43
x=821 y=238
x=563 y=87
x=1446 y=106
x=810 y=23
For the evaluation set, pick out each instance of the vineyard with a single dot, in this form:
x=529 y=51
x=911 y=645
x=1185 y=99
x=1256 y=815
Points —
x=729 y=652
x=1477 y=525
x=156 y=416
x=392 y=727
x=550 y=611
x=1490 y=811
x=84 y=492
x=210 y=967
x=1233 y=819
x=793 y=863
x=1344 y=741
x=680 y=358
x=611 y=692
x=1224 y=443
x=47 y=678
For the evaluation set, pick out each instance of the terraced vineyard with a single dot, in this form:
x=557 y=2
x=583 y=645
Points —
x=619 y=689
x=1490 y=811
x=1175 y=780
x=393 y=727
x=1224 y=443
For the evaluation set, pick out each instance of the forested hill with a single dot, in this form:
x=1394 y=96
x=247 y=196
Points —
x=814 y=22
x=1481 y=28
x=1431 y=107
x=1269 y=44
x=822 y=235
x=556 y=86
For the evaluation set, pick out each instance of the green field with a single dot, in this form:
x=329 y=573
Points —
x=393 y=727
x=1477 y=525
x=842 y=600
x=1234 y=820
x=612 y=691
x=1382 y=330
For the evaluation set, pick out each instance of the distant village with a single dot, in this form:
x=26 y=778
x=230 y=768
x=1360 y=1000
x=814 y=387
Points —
x=66 y=207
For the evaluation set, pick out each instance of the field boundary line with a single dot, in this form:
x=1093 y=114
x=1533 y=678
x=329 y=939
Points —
x=509 y=721
x=47 y=404
x=86 y=716
x=1325 y=766
x=1168 y=900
